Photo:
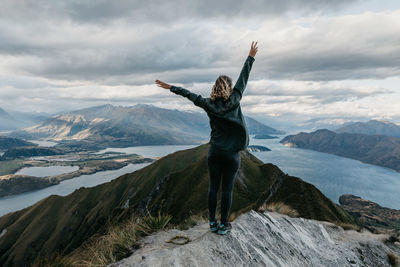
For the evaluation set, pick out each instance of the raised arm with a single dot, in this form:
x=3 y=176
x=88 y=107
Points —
x=244 y=74
x=198 y=100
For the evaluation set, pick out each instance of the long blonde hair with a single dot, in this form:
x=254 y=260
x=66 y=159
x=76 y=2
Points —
x=222 y=88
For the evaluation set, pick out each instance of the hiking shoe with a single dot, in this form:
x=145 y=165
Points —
x=224 y=228
x=214 y=226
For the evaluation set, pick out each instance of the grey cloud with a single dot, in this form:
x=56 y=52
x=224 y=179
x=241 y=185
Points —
x=322 y=90
x=161 y=11
x=191 y=48
x=331 y=66
x=183 y=49
x=310 y=93
x=55 y=43
x=23 y=83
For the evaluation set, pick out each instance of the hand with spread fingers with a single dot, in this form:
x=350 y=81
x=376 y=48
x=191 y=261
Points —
x=253 y=49
x=163 y=84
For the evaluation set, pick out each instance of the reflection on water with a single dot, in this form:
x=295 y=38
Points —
x=46 y=171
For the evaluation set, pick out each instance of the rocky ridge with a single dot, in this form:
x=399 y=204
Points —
x=265 y=239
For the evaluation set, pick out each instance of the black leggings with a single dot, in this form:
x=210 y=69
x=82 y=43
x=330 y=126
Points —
x=221 y=164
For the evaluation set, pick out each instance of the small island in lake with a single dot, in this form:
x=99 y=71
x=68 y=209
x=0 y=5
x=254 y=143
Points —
x=265 y=136
x=12 y=183
x=256 y=148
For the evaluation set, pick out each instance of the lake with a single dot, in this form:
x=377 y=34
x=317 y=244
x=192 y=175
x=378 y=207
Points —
x=46 y=171
x=332 y=175
x=20 y=201
x=43 y=142
x=148 y=151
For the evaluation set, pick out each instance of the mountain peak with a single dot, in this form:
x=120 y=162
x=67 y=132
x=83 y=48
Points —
x=381 y=122
x=372 y=127
x=323 y=130
x=7 y=122
x=5 y=114
x=144 y=105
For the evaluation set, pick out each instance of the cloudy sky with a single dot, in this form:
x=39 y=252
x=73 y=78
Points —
x=317 y=59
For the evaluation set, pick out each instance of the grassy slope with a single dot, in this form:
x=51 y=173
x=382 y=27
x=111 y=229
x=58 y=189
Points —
x=62 y=223
x=309 y=201
x=186 y=192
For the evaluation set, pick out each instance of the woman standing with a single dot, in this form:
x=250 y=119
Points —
x=229 y=135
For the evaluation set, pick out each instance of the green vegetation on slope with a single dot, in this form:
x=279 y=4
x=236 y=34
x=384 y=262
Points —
x=176 y=184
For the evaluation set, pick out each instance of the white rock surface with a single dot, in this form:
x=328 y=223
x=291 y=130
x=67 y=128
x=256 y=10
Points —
x=264 y=239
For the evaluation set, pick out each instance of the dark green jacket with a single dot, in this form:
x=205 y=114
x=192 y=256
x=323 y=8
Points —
x=228 y=127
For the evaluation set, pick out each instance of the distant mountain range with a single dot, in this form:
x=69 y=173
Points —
x=380 y=150
x=116 y=126
x=7 y=122
x=314 y=124
x=372 y=127
x=176 y=184
x=17 y=119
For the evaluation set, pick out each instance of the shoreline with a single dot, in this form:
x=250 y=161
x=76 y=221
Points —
x=11 y=184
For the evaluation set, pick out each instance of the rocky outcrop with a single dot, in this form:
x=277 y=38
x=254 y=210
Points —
x=374 y=217
x=264 y=239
